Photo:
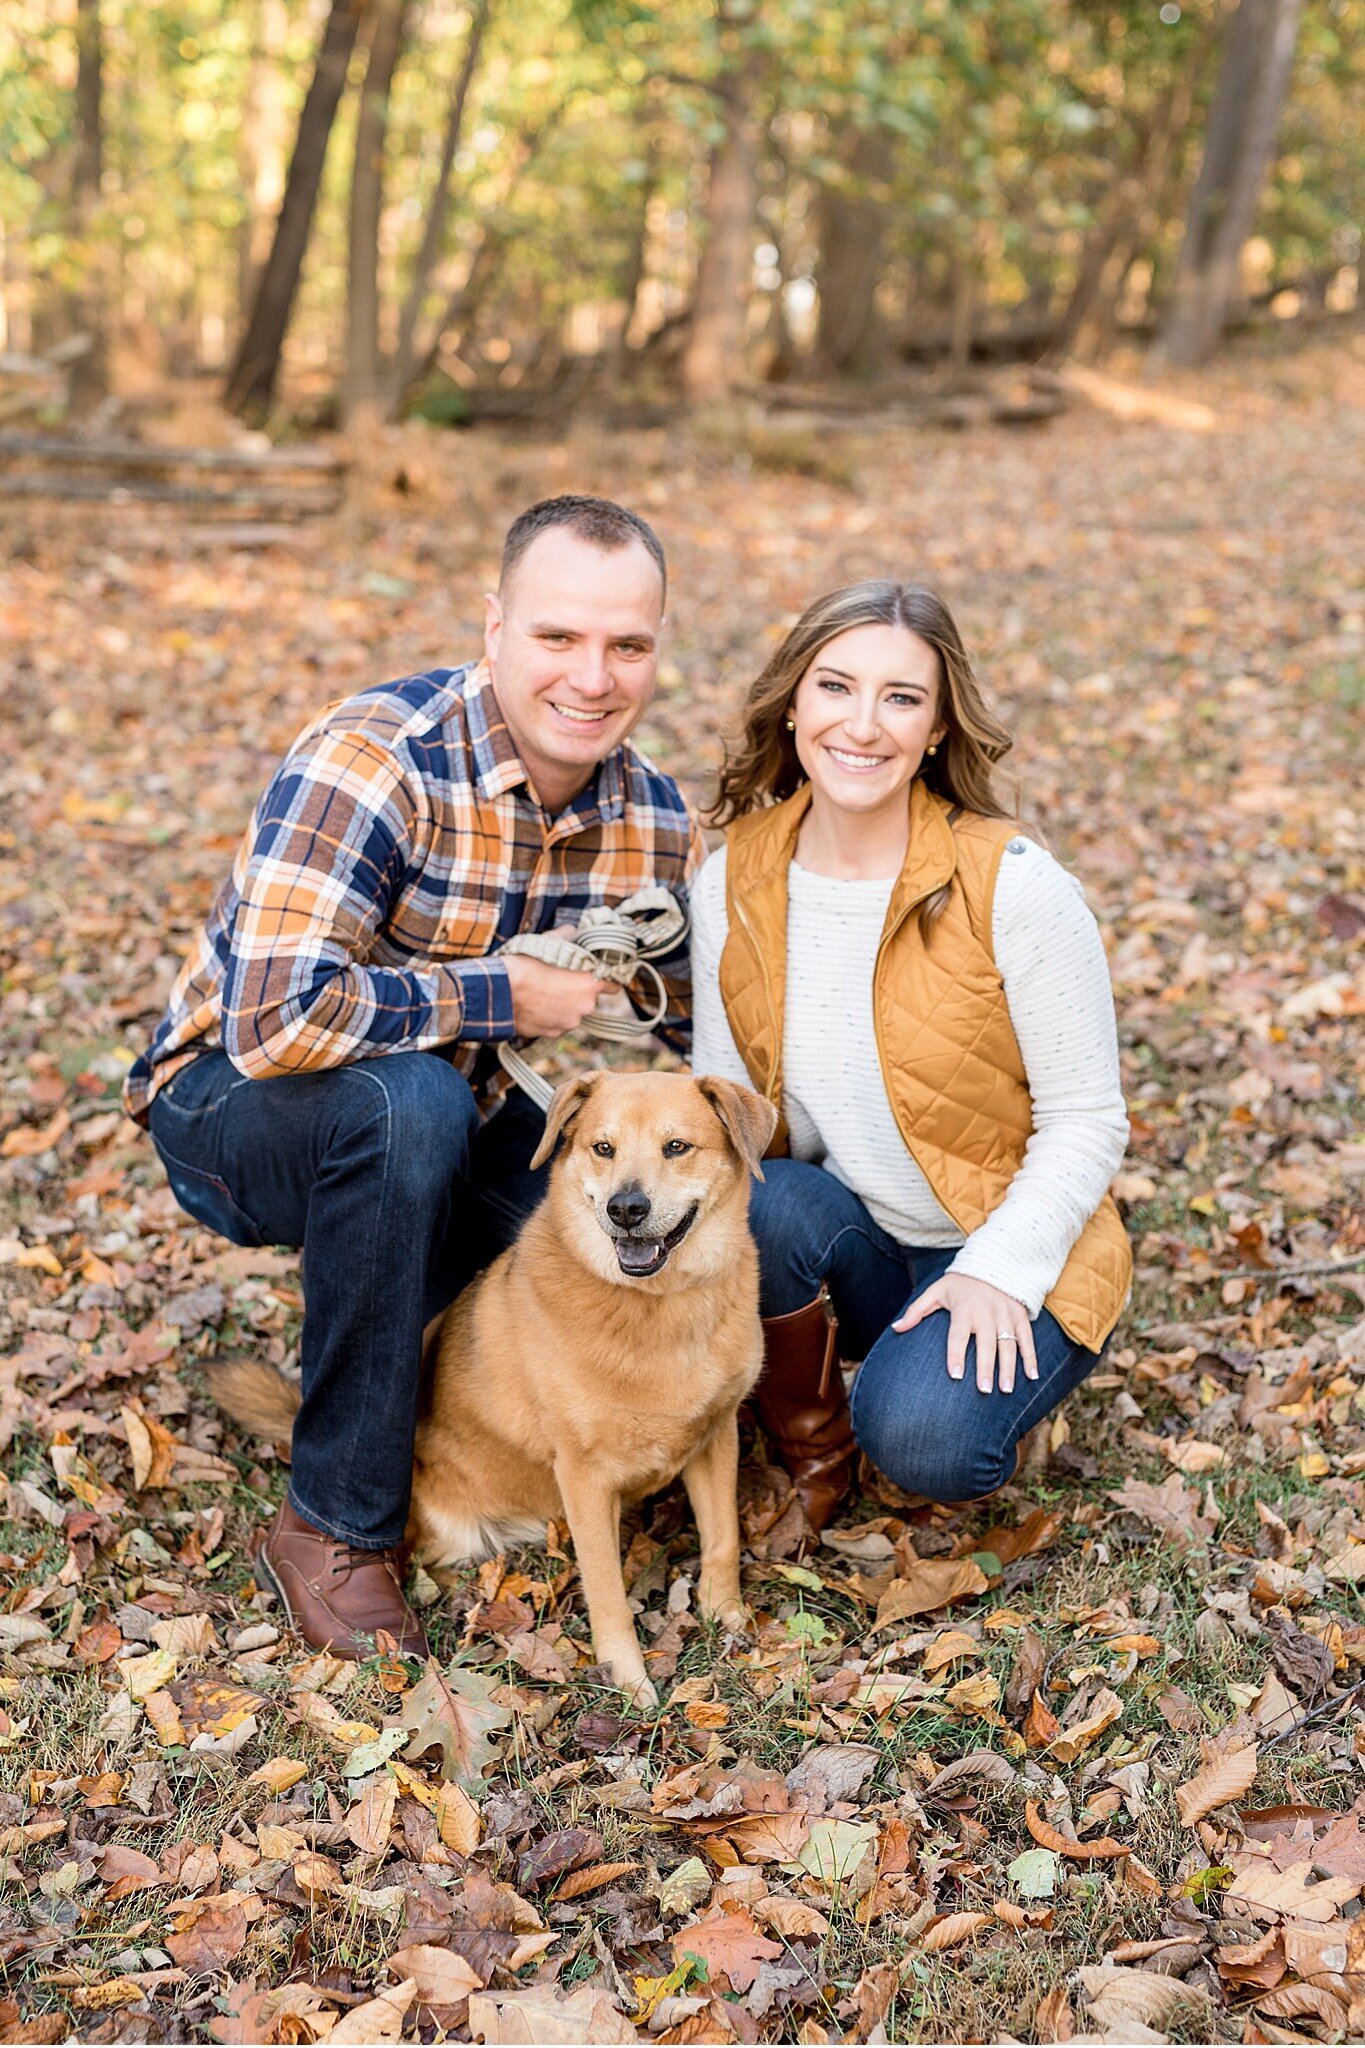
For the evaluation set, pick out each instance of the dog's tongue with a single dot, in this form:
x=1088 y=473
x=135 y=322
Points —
x=639 y=1255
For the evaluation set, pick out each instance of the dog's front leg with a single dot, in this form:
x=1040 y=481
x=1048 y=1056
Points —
x=712 y=1480
x=594 y=1513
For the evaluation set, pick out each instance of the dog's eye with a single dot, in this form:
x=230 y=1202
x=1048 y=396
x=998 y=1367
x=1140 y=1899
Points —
x=604 y=1150
x=675 y=1148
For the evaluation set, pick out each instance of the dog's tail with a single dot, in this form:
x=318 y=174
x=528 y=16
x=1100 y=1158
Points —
x=257 y=1396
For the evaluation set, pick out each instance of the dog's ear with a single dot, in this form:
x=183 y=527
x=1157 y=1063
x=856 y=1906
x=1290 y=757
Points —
x=749 y=1119
x=566 y=1102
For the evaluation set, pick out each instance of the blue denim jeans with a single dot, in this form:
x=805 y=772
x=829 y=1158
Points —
x=397 y=1193
x=931 y=1434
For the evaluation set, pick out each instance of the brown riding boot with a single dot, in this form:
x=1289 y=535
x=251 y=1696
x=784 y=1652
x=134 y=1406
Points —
x=336 y=1597
x=803 y=1407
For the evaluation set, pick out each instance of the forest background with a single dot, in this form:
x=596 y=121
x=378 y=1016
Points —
x=1054 y=306
x=398 y=203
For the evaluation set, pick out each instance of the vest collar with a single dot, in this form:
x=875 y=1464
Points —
x=930 y=857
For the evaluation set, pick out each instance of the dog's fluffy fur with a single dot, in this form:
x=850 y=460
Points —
x=607 y=1351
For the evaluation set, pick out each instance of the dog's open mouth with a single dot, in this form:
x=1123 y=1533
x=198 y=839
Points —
x=641 y=1256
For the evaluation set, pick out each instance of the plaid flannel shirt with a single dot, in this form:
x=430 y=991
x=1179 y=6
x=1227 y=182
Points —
x=397 y=846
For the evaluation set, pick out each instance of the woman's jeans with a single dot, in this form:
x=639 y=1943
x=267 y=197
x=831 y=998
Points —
x=398 y=1194
x=931 y=1434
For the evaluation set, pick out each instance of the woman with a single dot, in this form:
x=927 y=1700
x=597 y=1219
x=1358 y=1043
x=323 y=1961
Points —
x=924 y=994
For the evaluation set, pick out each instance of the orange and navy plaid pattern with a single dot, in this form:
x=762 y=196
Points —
x=396 y=848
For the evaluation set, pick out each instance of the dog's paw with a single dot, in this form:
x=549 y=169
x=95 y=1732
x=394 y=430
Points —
x=733 y=1616
x=640 y=1691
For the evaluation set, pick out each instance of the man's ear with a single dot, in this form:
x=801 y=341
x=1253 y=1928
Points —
x=566 y=1102
x=749 y=1119
x=492 y=624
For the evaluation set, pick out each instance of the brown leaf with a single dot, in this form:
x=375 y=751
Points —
x=369 y=1823
x=98 y=1642
x=1172 y=1507
x=727 y=1941
x=791 y=1918
x=547 y=2014
x=556 y=1853
x=1073 y=1741
x=580 y=1882
x=1221 y=1779
x=441 y=1976
x=1264 y=1890
x=216 y=1939
x=150 y=1446
x=457 y=1717
x=1080 y=1852
x=1120 y=1999
x=950 y=1930
x=1034 y=1533
x=769 y=1837
x=1041 y=1725
x=378 y=2019
x=458 y=1820
x=1026 y=1674
x=932 y=1582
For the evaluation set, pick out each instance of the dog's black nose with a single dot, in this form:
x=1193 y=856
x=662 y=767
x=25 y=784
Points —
x=629 y=1206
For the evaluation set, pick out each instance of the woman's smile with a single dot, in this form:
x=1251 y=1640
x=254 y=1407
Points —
x=856 y=764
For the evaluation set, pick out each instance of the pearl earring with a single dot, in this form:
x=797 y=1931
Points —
x=933 y=749
x=791 y=725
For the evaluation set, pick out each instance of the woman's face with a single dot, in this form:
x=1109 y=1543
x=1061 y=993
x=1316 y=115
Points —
x=865 y=710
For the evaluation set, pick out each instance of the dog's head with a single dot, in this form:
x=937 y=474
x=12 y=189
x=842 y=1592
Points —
x=648 y=1160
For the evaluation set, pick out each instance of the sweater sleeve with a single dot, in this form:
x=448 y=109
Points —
x=1052 y=962
x=713 y=1046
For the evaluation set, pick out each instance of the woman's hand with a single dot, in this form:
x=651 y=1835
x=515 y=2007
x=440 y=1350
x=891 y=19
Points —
x=999 y=1323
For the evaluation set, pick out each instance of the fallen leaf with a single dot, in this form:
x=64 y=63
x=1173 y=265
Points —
x=547 y=2014
x=455 y=1716
x=950 y=1930
x=1221 y=1780
x=1048 y=1837
x=932 y=1582
x=729 y=1944
x=441 y=1976
x=378 y=2019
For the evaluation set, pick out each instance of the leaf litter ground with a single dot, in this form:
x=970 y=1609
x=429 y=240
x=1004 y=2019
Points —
x=1083 y=1759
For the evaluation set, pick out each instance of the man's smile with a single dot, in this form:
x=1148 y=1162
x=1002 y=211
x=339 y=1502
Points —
x=576 y=715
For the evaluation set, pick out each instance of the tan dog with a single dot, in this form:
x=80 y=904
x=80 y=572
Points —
x=606 y=1352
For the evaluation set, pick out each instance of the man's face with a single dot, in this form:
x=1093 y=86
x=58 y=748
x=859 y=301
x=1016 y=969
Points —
x=573 y=643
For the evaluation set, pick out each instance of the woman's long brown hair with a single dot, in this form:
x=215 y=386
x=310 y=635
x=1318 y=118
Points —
x=761 y=766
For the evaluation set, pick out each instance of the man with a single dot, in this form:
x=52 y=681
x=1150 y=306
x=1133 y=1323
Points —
x=319 y=1075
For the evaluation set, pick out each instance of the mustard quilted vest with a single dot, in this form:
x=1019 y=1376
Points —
x=948 y=1053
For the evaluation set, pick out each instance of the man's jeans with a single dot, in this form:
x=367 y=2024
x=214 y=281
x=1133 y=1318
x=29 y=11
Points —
x=931 y=1434
x=383 y=1173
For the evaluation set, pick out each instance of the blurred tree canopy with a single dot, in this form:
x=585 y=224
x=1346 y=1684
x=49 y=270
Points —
x=491 y=196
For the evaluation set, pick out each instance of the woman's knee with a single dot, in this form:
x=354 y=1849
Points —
x=931 y=1435
x=794 y=1212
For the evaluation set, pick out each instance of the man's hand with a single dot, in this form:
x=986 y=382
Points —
x=548 y=1001
x=998 y=1322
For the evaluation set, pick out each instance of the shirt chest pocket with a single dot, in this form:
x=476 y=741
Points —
x=452 y=917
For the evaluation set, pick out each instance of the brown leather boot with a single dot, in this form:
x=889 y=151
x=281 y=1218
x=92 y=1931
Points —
x=804 y=1409
x=336 y=1597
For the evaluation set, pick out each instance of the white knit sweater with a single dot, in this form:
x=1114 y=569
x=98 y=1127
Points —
x=1052 y=962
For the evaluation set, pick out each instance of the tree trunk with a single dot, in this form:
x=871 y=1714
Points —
x=633 y=269
x=1253 y=83
x=90 y=371
x=362 y=385
x=264 y=139
x=434 y=227
x=852 y=224
x=713 y=361
x=251 y=384
x=464 y=302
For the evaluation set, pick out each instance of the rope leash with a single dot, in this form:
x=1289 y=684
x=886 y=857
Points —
x=617 y=942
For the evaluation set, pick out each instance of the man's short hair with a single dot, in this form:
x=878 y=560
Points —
x=597 y=520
